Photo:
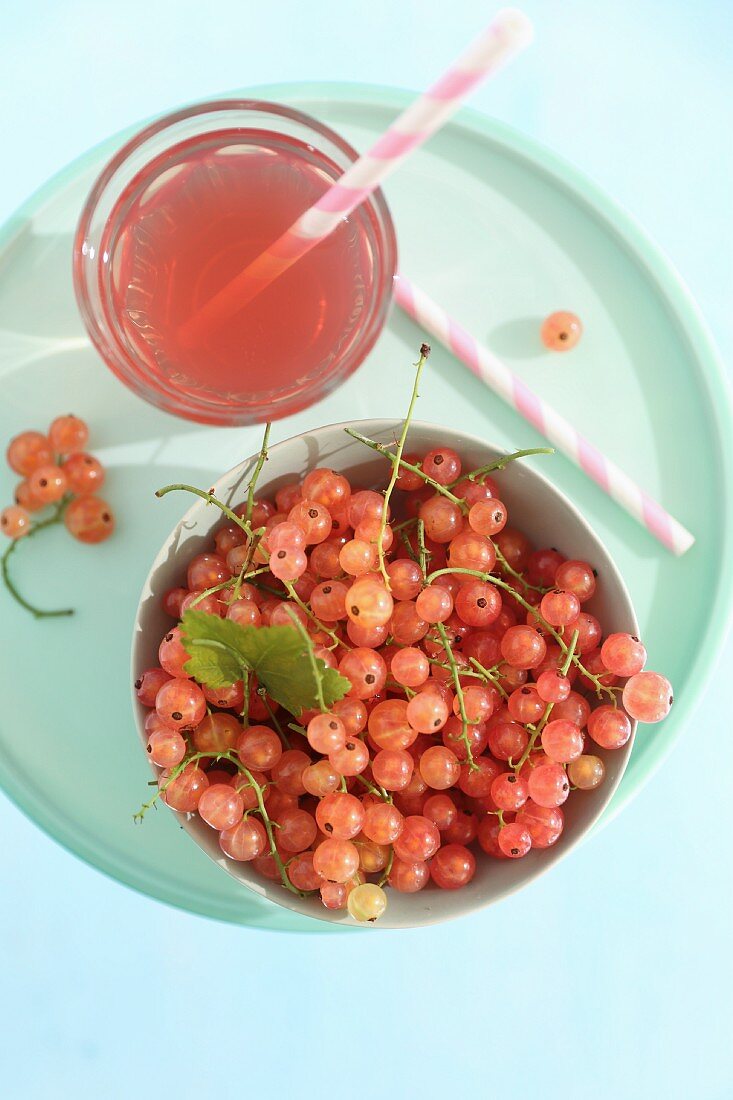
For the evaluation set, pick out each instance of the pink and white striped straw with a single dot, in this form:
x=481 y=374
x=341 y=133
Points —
x=546 y=420
x=508 y=33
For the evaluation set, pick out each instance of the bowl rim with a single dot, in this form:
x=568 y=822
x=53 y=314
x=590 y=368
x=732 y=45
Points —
x=371 y=426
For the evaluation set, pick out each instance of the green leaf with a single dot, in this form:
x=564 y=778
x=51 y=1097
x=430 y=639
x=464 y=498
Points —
x=220 y=650
x=212 y=645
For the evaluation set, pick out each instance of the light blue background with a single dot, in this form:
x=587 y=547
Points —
x=611 y=977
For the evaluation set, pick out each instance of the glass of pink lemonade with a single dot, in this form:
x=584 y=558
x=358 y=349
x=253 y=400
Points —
x=180 y=211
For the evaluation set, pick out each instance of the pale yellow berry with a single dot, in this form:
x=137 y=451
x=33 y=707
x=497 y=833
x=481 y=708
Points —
x=367 y=902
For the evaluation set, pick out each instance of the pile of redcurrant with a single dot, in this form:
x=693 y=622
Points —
x=57 y=473
x=482 y=692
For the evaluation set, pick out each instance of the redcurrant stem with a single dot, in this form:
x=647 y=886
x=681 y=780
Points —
x=36 y=612
x=499 y=464
x=190 y=758
x=254 y=573
x=261 y=460
x=443 y=664
x=408 y=545
x=502 y=463
x=473 y=766
x=238 y=584
x=210 y=592
x=321 y=626
x=397 y=462
x=569 y=655
x=423 y=554
x=374 y=789
x=265 y=587
x=395 y=686
x=342 y=785
x=261 y=809
x=388 y=866
x=140 y=814
x=251 y=551
x=492 y=579
x=491 y=675
x=311 y=657
x=210 y=499
x=270 y=836
x=243 y=576
x=274 y=719
x=537 y=732
x=397 y=458
x=514 y=573
x=245 y=693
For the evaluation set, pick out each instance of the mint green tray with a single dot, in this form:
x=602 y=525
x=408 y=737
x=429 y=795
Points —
x=501 y=233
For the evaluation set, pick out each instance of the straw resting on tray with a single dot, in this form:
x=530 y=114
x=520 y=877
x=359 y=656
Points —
x=546 y=420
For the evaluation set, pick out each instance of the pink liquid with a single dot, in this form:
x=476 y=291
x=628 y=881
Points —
x=192 y=220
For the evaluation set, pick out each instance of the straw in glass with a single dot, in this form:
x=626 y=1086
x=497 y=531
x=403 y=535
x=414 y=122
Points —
x=506 y=35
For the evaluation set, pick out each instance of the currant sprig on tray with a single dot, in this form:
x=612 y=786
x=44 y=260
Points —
x=60 y=483
x=361 y=686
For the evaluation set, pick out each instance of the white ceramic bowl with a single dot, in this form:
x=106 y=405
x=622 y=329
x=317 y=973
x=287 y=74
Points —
x=534 y=504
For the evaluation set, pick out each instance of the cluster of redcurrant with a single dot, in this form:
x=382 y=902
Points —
x=57 y=472
x=480 y=691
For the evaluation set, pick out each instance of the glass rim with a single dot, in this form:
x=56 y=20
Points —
x=129 y=369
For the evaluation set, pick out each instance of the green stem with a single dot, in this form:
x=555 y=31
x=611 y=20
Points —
x=311 y=657
x=388 y=866
x=244 y=572
x=405 y=524
x=241 y=578
x=395 y=686
x=473 y=766
x=262 y=459
x=210 y=592
x=397 y=462
x=514 y=573
x=491 y=675
x=492 y=579
x=396 y=457
x=247 y=577
x=265 y=587
x=374 y=789
x=502 y=463
x=245 y=695
x=274 y=719
x=422 y=551
x=36 y=612
x=408 y=545
x=176 y=771
x=321 y=626
x=569 y=655
x=210 y=499
x=261 y=808
x=446 y=666
x=270 y=836
x=191 y=758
